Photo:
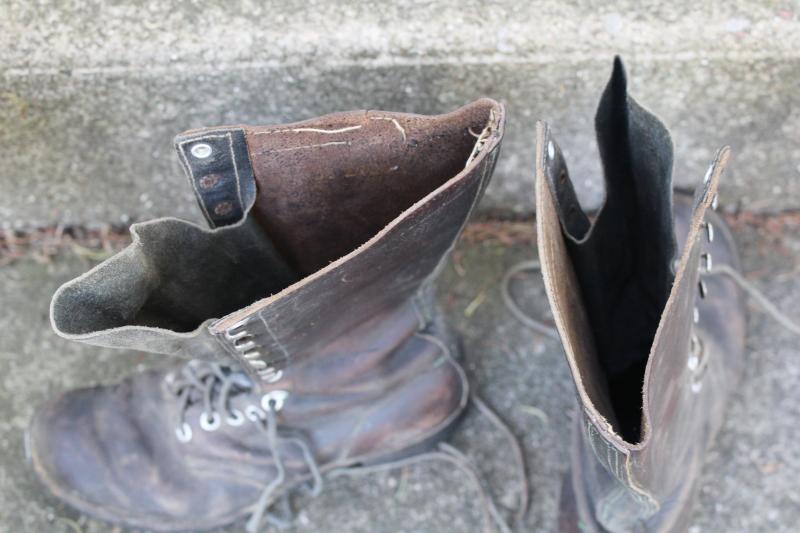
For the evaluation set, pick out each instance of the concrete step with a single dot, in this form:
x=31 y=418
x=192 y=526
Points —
x=91 y=94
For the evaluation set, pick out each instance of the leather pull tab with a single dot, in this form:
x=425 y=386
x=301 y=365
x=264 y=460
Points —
x=218 y=165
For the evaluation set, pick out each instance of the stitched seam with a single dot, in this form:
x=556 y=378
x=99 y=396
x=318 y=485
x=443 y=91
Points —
x=188 y=167
x=191 y=172
x=236 y=172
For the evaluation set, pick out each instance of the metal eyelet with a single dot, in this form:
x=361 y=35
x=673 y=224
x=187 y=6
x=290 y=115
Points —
x=270 y=375
x=696 y=350
x=184 y=432
x=707 y=177
x=695 y=315
x=551 y=150
x=707 y=264
x=256 y=364
x=702 y=289
x=201 y=150
x=254 y=414
x=274 y=400
x=252 y=355
x=231 y=334
x=211 y=423
x=244 y=343
x=715 y=202
x=697 y=363
x=709 y=231
x=234 y=418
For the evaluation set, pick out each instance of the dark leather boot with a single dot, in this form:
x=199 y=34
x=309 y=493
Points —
x=653 y=342
x=306 y=311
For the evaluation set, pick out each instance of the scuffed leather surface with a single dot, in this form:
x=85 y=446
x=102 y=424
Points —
x=112 y=452
x=647 y=484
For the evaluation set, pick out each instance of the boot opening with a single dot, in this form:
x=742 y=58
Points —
x=174 y=276
x=623 y=262
x=327 y=185
x=320 y=196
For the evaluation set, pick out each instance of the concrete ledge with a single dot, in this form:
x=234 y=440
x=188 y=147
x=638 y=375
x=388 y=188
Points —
x=89 y=105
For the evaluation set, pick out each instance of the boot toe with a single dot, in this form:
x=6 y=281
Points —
x=98 y=461
x=107 y=454
x=64 y=452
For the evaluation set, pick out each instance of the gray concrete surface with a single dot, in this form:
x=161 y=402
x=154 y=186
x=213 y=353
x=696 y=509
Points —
x=92 y=92
x=749 y=483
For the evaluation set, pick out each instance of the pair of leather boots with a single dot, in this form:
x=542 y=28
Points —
x=306 y=315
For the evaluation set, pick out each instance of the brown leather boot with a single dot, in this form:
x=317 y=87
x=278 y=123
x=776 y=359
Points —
x=654 y=343
x=306 y=311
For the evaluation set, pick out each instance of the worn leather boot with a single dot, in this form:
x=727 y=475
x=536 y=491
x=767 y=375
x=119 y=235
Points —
x=654 y=343
x=306 y=312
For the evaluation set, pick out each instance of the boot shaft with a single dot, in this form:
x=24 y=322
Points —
x=633 y=314
x=245 y=291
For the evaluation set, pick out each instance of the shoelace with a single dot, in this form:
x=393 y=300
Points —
x=262 y=509
x=212 y=385
x=493 y=520
x=545 y=329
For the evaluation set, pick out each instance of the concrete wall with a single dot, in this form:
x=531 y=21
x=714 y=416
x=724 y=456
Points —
x=91 y=93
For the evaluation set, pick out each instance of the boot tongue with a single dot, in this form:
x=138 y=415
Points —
x=624 y=261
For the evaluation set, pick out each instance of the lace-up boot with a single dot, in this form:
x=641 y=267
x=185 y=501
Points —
x=305 y=311
x=654 y=339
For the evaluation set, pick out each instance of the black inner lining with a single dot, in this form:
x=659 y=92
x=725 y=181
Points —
x=624 y=266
